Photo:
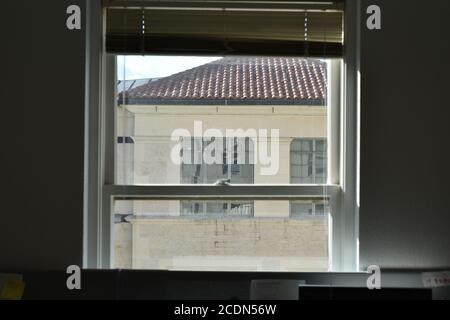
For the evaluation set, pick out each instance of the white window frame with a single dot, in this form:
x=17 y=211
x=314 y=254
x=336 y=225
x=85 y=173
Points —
x=342 y=145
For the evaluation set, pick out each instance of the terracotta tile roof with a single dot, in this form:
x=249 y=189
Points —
x=239 y=80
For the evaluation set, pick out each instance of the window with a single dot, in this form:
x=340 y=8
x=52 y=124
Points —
x=212 y=235
x=251 y=111
x=235 y=170
x=222 y=146
x=308 y=161
x=228 y=123
x=217 y=208
x=309 y=209
x=236 y=166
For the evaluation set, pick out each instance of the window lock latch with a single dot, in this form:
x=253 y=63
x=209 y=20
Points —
x=223 y=182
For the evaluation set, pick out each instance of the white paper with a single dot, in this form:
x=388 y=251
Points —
x=436 y=279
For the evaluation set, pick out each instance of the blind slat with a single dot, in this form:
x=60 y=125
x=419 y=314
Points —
x=224 y=32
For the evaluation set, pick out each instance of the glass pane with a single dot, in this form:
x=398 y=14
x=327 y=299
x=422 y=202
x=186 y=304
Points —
x=229 y=209
x=309 y=209
x=321 y=145
x=213 y=173
x=191 y=174
x=302 y=209
x=306 y=145
x=308 y=161
x=321 y=209
x=189 y=208
x=242 y=174
x=124 y=85
x=201 y=120
x=321 y=165
x=220 y=235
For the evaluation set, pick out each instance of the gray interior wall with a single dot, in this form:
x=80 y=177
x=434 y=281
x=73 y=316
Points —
x=405 y=131
x=404 y=212
x=42 y=136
